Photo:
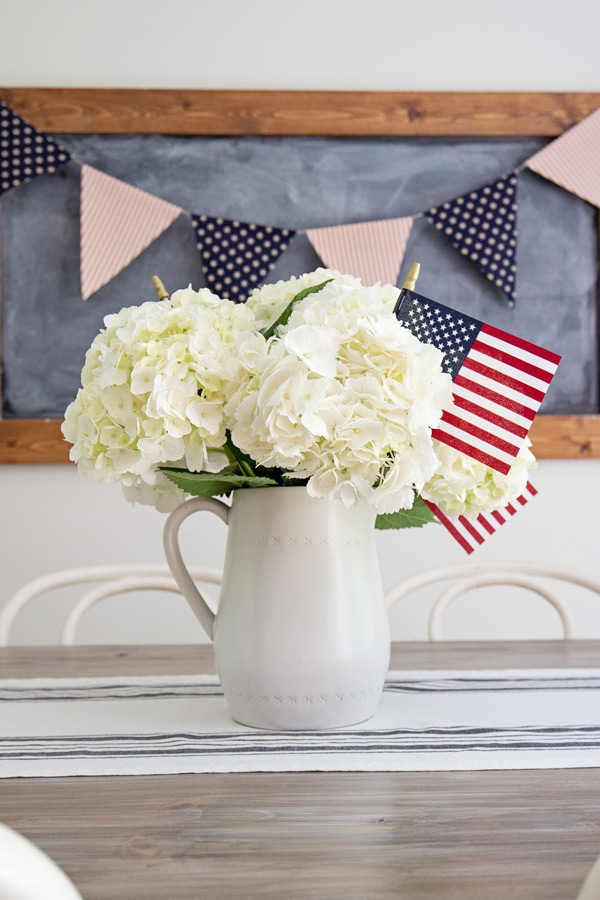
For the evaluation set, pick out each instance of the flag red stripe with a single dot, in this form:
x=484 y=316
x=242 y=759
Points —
x=521 y=344
x=488 y=394
x=490 y=416
x=513 y=361
x=473 y=452
x=450 y=527
x=487 y=525
x=471 y=529
x=469 y=428
x=506 y=380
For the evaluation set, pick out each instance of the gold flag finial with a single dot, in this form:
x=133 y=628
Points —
x=411 y=278
x=160 y=289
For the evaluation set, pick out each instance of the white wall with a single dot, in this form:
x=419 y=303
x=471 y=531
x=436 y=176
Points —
x=49 y=518
x=312 y=44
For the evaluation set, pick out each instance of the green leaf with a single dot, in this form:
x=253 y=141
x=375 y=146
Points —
x=214 y=484
x=270 y=331
x=241 y=461
x=419 y=515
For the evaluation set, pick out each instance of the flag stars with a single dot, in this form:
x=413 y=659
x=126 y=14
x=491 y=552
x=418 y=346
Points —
x=447 y=330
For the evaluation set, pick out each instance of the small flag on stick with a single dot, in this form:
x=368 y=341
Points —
x=499 y=380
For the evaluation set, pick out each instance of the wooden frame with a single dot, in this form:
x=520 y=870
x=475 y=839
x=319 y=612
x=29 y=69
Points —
x=325 y=113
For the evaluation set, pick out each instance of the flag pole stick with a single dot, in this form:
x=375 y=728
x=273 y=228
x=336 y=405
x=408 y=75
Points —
x=409 y=284
x=160 y=289
x=411 y=278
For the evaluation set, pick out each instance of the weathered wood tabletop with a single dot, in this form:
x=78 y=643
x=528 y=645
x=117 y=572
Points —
x=531 y=835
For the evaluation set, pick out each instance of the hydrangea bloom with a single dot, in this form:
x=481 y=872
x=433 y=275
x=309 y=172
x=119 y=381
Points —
x=462 y=486
x=154 y=385
x=342 y=394
x=269 y=301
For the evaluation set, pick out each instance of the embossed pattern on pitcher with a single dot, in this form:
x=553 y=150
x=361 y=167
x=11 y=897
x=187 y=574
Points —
x=301 y=633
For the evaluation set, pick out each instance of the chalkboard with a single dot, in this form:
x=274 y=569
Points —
x=277 y=156
x=297 y=182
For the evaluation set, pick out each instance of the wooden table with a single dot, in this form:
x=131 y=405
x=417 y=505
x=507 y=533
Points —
x=532 y=835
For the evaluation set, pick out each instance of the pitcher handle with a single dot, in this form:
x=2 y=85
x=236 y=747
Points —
x=202 y=611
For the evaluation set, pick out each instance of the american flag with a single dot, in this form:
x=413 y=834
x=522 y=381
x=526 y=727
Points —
x=499 y=380
x=471 y=533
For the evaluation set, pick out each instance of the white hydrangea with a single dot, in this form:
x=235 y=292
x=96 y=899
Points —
x=270 y=300
x=461 y=486
x=342 y=395
x=154 y=386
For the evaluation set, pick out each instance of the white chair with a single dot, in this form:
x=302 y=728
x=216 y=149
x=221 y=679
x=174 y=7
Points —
x=590 y=889
x=26 y=873
x=114 y=579
x=475 y=575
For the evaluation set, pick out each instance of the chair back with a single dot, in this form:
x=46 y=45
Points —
x=112 y=580
x=469 y=576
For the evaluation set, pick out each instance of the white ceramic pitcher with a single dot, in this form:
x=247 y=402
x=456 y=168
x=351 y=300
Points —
x=301 y=635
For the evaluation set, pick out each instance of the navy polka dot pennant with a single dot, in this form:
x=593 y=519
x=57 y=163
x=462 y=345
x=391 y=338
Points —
x=25 y=152
x=482 y=225
x=238 y=256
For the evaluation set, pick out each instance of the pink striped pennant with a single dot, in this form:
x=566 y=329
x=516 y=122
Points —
x=373 y=251
x=118 y=221
x=573 y=160
x=471 y=533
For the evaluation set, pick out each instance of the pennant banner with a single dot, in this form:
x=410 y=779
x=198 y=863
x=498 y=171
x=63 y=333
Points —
x=26 y=152
x=371 y=250
x=573 y=160
x=471 y=533
x=118 y=221
x=238 y=256
x=498 y=380
x=482 y=225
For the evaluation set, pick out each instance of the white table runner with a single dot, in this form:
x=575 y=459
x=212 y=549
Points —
x=426 y=721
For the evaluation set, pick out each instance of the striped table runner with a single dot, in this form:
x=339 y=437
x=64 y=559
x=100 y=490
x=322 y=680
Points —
x=426 y=721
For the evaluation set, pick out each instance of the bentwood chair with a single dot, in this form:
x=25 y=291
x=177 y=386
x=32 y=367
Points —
x=590 y=889
x=111 y=580
x=26 y=873
x=475 y=575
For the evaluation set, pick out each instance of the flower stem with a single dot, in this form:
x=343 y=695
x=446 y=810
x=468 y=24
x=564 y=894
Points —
x=236 y=456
